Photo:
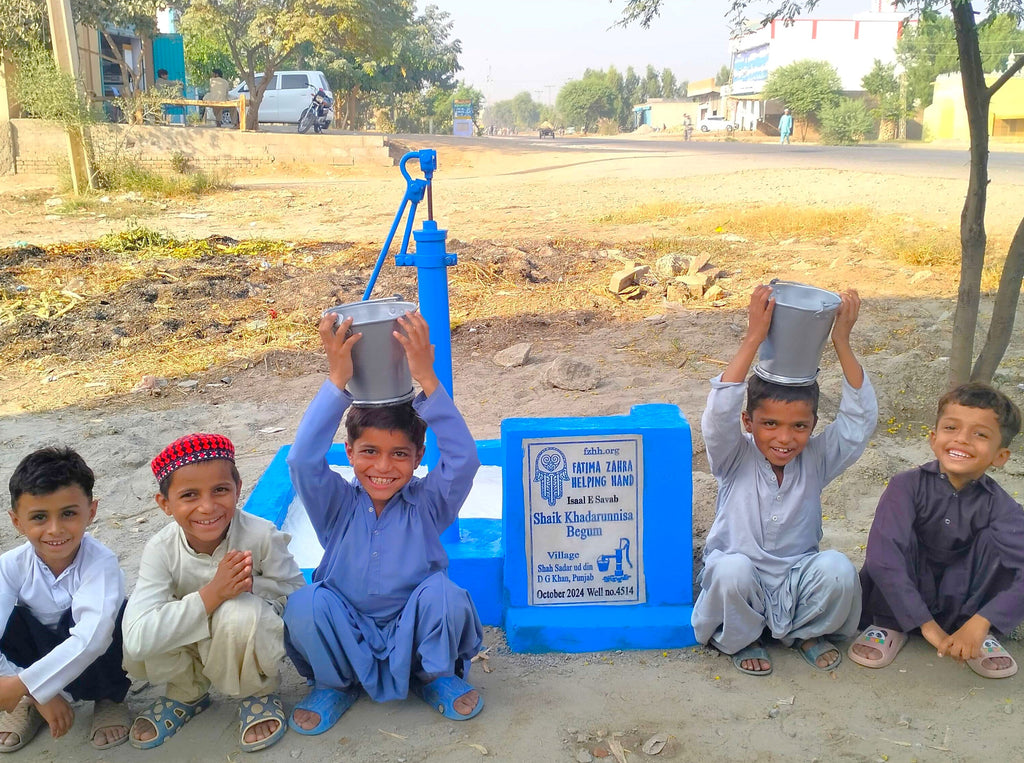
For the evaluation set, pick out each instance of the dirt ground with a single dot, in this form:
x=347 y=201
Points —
x=537 y=237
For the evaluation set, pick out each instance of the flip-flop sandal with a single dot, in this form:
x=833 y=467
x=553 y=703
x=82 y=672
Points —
x=24 y=720
x=255 y=710
x=755 y=651
x=441 y=694
x=329 y=704
x=990 y=647
x=885 y=640
x=167 y=716
x=811 y=654
x=107 y=714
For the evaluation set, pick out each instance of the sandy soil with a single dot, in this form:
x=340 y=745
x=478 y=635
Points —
x=568 y=707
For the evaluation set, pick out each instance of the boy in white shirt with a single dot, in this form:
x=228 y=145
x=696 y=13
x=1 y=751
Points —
x=61 y=603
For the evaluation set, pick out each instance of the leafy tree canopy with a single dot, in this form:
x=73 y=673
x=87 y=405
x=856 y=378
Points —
x=582 y=102
x=804 y=86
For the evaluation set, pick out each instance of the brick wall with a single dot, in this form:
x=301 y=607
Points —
x=39 y=146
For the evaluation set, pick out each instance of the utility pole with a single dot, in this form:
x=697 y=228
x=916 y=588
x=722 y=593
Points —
x=65 y=52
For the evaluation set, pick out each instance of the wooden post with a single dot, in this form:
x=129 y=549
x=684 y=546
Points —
x=241 y=112
x=9 y=108
x=65 y=51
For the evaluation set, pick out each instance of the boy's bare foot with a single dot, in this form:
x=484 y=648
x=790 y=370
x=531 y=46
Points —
x=263 y=730
x=143 y=730
x=827 y=659
x=866 y=651
x=306 y=719
x=753 y=659
x=110 y=723
x=758 y=666
x=467 y=703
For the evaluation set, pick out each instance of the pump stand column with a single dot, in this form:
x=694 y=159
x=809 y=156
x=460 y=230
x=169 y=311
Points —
x=432 y=263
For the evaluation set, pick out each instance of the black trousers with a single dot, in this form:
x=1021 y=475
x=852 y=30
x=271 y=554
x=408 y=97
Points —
x=26 y=640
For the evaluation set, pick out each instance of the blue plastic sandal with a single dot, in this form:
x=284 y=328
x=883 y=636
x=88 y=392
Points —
x=167 y=716
x=442 y=692
x=329 y=704
x=255 y=710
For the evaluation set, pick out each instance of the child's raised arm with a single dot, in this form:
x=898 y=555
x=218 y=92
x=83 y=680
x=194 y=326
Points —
x=418 y=350
x=338 y=348
x=759 y=319
x=846 y=317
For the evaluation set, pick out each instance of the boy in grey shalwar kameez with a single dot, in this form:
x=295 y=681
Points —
x=762 y=566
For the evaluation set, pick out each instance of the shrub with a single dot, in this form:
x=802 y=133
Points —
x=845 y=123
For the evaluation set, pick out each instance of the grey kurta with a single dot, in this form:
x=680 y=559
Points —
x=776 y=527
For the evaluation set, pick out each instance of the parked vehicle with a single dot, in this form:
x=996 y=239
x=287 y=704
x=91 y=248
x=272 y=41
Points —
x=318 y=114
x=715 y=124
x=546 y=130
x=288 y=95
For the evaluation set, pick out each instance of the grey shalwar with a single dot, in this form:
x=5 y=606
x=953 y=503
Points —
x=762 y=566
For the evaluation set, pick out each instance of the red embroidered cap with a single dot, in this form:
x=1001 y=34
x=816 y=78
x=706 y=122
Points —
x=191 y=449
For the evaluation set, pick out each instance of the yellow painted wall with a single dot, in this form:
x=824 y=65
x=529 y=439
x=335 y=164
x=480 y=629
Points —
x=946 y=118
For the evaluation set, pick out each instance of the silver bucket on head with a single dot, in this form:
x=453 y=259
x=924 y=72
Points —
x=801 y=322
x=380 y=369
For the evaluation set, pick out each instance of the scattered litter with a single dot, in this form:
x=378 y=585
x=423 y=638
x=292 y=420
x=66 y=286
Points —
x=392 y=734
x=188 y=384
x=786 y=700
x=478 y=747
x=773 y=713
x=615 y=747
x=482 y=657
x=270 y=430
x=139 y=520
x=96 y=384
x=655 y=744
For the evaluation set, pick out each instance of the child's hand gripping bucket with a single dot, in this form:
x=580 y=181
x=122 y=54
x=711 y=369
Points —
x=801 y=322
x=380 y=369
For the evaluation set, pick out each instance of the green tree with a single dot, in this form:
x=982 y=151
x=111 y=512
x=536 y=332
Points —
x=669 y=86
x=889 y=104
x=804 y=87
x=652 y=83
x=632 y=88
x=262 y=34
x=724 y=76
x=22 y=24
x=926 y=50
x=205 y=51
x=845 y=122
x=583 y=101
x=977 y=99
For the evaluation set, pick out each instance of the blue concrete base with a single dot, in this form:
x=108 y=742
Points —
x=476 y=563
x=597 y=628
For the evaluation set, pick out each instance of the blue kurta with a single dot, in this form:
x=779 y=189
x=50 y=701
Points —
x=381 y=606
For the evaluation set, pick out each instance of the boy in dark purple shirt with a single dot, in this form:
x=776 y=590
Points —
x=946 y=549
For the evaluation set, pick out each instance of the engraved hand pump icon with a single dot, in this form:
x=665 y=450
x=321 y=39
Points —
x=604 y=560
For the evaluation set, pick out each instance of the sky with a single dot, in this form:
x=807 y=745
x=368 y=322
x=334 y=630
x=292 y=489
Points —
x=539 y=45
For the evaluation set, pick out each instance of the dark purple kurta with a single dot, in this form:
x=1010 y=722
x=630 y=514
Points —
x=937 y=554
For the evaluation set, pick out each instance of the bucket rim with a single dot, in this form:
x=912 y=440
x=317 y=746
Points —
x=788 y=381
x=834 y=301
x=338 y=311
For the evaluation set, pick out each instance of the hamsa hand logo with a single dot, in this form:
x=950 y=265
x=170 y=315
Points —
x=551 y=470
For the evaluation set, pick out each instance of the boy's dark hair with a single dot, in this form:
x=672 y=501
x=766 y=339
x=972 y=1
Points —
x=981 y=395
x=165 y=483
x=390 y=418
x=218 y=73
x=759 y=390
x=47 y=470
x=161 y=72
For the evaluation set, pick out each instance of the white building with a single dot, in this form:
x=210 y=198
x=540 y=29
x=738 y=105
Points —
x=851 y=45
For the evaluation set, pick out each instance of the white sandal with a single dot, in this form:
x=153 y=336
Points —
x=24 y=720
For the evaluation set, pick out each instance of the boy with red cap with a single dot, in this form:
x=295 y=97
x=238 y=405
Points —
x=206 y=610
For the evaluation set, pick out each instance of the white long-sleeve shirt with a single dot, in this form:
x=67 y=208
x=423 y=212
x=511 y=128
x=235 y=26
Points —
x=92 y=587
x=165 y=611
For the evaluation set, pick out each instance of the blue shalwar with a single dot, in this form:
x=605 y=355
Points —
x=381 y=607
x=762 y=566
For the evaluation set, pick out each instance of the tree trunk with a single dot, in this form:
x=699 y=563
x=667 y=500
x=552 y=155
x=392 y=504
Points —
x=972 y=217
x=1004 y=311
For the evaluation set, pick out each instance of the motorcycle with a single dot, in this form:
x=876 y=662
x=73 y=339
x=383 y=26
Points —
x=318 y=114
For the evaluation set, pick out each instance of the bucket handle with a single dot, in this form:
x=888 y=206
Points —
x=817 y=313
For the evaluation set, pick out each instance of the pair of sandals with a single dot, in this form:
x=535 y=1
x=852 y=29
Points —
x=331 y=704
x=167 y=716
x=888 y=642
x=811 y=655
x=25 y=721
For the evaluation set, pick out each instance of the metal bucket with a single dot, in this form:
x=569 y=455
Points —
x=380 y=370
x=801 y=323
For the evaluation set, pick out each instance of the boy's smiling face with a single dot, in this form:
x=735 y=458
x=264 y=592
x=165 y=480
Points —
x=384 y=461
x=781 y=430
x=54 y=524
x=202 y=498
x=967 y=441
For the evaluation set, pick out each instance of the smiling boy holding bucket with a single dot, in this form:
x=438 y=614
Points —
x=762 y=567
x=382 y=616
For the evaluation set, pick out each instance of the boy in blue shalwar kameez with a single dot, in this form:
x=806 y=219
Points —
x=381 y=612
